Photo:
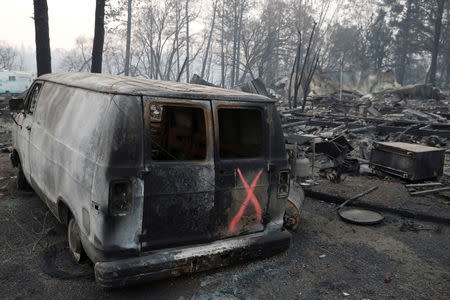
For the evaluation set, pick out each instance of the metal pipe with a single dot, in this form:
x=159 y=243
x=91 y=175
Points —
x=447 y=188
x=422 y=184
x=357 y=196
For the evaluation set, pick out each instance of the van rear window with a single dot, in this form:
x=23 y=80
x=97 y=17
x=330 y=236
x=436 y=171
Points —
x=240 y=132
x=177 y=132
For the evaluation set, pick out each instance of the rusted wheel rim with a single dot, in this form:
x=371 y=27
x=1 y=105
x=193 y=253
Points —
x=291 y=216
x=73 y=235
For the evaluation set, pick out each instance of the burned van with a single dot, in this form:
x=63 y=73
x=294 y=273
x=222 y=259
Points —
x=154 y=179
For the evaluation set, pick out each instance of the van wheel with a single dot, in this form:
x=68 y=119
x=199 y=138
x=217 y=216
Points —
x=75 y=246
x=22 y=183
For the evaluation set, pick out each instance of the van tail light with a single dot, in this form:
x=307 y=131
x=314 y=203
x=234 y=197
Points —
x=120 y=197
x=283 y=184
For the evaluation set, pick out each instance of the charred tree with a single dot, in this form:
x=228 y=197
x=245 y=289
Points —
x=308 y=68
x=152 y=53
x=447 y=51
x=222 y=46
x=187 y=42
x=177 y=30
x=308 y=79
x=205 y=58
x=128 y=45
x=238 y=51
x=295 y=70
x=404 y=35
x=303 y=77
x=99 y=37
x=235 y=38
x=437 y=36
x=43 y=54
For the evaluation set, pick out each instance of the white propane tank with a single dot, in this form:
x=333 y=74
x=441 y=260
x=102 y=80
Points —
x=302 y=167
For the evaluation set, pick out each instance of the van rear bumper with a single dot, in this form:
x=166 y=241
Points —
x=177 y=261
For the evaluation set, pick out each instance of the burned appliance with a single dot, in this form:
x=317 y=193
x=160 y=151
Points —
x=408 y=161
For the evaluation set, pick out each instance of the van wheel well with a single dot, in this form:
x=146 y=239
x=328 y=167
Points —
x=64 y=212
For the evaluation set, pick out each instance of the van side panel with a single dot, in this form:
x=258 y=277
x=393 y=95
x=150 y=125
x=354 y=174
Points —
x=120 y=157
x=63 y=147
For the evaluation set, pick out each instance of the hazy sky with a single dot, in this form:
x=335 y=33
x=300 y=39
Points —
x=68 y=19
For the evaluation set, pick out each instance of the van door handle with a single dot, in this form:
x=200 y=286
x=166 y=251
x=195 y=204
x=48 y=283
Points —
x=28 y=127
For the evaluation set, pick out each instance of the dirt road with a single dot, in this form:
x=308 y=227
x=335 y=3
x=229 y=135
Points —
x=328 y=260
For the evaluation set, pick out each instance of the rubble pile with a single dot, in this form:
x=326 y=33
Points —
x=397 y=139
x=336 y=132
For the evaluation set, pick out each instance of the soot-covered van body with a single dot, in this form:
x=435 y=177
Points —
x=154 y=179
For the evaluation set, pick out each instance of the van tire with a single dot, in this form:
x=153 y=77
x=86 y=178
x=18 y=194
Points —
x=22 y=183
x=73 y=237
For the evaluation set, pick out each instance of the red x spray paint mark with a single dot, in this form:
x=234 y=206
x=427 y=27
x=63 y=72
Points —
x=250 y=196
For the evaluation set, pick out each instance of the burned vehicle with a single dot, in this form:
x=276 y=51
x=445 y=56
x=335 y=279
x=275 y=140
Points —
x=154 y=179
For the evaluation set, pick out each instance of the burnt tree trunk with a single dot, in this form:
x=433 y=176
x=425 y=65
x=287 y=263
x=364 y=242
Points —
x=238 y=50
x=222 y=47
x=307 y=83
x=295 y=68
x=307 y=80
x=99 y=37
x=403 y=51
x=43 y=55
x=187 y=42
x=447 y=53
x=437 y=36
x=177 y=30
x=128 y=45
x=152 y=54
x=235 y=33
x=205 y=58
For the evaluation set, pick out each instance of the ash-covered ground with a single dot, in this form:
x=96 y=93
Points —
x=329 y=259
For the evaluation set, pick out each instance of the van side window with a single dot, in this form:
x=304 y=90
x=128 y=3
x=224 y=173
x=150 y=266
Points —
x=240 y=133
x=34 y=93
x=177 y=132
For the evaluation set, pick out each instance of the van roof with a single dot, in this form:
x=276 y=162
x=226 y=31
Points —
x=123 y=85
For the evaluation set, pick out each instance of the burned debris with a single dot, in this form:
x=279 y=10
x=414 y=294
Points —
x=429 y=128
x=409 y=161
x=370 y=127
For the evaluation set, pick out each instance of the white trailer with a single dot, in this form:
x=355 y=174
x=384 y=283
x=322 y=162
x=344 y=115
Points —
x=15 y=82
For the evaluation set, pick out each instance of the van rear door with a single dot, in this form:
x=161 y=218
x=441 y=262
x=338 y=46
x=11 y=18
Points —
x=241 y=161
x=179 y=173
